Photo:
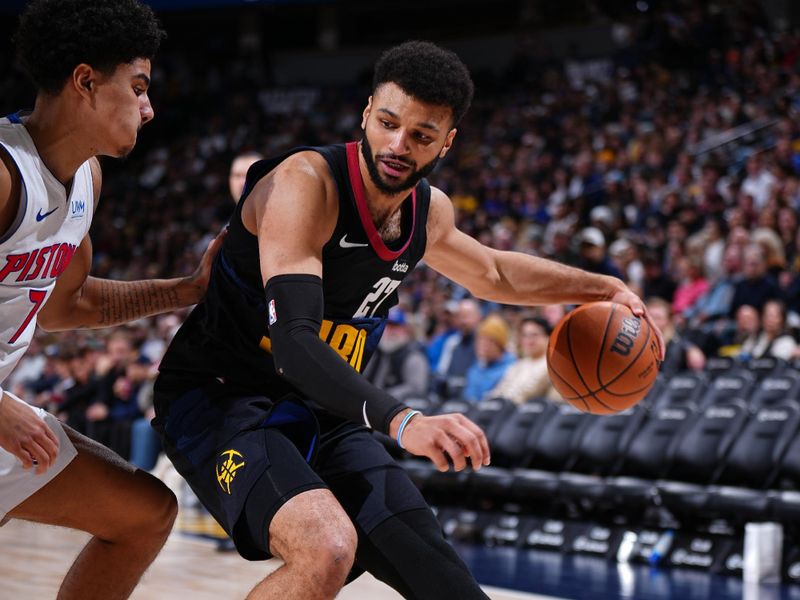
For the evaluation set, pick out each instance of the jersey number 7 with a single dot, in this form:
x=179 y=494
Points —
x=37 y=297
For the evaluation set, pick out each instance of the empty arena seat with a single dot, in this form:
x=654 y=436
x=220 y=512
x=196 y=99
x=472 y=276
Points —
x=706 y=441
x=554 y=447
x=492 y=483
x=605 y=439
x=700 y=456
x=652 y=448
x=756 y=454
x=716 y=365
x=785 y=507
x=427 y=405
x=683 y=389
x=514 y=438
x=775 y=389
x=790 y=465
x=454 y=406
x=766 y=366
x=733 y=384
x=490 y=415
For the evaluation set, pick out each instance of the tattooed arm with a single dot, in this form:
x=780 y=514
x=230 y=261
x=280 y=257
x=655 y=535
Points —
x=82 y=301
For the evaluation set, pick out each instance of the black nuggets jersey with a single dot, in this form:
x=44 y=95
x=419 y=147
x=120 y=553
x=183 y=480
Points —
x=227 y=335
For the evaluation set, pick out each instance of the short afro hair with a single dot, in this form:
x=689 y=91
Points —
x=55 y=36
x=429 y=73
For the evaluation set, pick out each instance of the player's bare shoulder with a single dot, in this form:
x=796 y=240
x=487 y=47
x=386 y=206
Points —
x=10 y=188
x=441 y=217
x=301 y=182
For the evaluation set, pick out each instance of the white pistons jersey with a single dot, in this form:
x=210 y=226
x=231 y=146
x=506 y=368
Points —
x=36 y=249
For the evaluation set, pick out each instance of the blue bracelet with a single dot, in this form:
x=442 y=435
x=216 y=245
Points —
x=403 y=424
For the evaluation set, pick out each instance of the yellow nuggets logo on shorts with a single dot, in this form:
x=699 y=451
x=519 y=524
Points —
x=227 y=469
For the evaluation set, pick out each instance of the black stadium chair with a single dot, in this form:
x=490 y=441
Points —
x=766 y=366
x=509 y=444
x=649 y=455
x=754 y=462
x=554 y=446
x=717 y=365
x=706 y=442
x=700 y=457
x=734 y=384
x=776 y=389
x=683 y=389
x=490 y=415
x=757 y=452
x=789 y=472
x=598 y=453
x=454 y=406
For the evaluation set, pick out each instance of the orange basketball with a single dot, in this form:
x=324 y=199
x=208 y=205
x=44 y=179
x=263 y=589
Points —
x=601 y=358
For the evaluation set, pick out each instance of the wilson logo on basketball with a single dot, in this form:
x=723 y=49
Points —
x=627 y=336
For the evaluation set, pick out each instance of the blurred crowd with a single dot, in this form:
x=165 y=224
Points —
x=673 y=164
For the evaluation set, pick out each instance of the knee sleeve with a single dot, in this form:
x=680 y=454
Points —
x=409 y=553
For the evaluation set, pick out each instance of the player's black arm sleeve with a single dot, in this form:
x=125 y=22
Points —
x=311 y=365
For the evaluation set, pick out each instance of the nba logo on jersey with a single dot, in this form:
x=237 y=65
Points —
x=272 y=314
x=77 y=208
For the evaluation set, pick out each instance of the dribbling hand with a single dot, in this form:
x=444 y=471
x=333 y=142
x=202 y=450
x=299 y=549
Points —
x=628 y=298
x=443 y=436
x=26 y=436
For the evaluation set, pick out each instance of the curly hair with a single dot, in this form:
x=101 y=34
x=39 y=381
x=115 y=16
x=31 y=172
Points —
x=427 y=72
x=55 y=36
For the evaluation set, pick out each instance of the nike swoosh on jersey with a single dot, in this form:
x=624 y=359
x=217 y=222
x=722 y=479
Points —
x=42 y=217
x=345 y=244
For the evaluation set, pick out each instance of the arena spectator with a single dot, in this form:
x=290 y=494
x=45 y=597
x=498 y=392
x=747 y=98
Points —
x=399 y=365
x=493 y=360
x=527 y=376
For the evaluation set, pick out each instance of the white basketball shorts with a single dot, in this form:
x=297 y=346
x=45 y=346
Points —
x=18 y=484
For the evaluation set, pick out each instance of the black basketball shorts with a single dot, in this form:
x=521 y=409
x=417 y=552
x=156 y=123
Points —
x=245 y=457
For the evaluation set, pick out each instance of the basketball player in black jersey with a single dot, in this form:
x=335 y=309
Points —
x=260 y=400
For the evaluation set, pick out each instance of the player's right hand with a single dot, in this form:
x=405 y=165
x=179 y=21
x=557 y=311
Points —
x=26 y=436
x=443 y=436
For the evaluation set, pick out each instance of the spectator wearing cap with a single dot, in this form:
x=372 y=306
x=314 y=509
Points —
x=399 y=365
x=602 y=217
x=492 y=358
x=527 y=377
x=593 y=255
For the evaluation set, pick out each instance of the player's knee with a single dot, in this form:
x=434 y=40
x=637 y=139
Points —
x=336 y=549
x=151 y=513
x=327 y=554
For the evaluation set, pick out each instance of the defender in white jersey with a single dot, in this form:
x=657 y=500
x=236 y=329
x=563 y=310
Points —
x=90 y=62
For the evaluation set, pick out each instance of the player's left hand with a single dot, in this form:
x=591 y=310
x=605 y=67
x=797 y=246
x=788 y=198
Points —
x=625 y=296
x=197 y=282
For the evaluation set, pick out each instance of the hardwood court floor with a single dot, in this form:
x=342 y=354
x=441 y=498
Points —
x=34 y=558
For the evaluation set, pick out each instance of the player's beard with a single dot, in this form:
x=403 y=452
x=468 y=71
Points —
x=411 y=180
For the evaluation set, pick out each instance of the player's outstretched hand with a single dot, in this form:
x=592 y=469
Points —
x=26 y=436
x=628 y=298
x=438 y=437
x=198 y=281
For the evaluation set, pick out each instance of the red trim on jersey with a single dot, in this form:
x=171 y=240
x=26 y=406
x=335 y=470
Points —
x=373 y=236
